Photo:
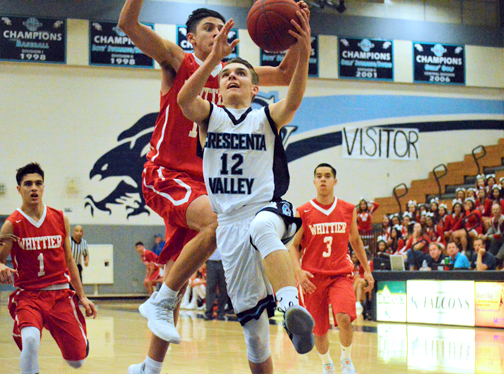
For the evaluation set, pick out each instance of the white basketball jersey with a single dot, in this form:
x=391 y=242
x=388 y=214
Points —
x=244 y=161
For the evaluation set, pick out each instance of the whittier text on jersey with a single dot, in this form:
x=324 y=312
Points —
x=41 y=242
x=328 y=228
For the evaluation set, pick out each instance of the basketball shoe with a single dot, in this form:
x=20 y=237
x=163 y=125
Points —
x=347 y=366
x=137 y=369
x=299 y=326
x=159 y=315
x=327 y=369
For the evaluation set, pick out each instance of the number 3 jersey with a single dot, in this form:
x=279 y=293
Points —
x=39 y=255
x=325 y=237
x=244 y=162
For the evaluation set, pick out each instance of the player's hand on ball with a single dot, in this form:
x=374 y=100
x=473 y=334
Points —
x=303 y=34
x=304 y=281
x=89 y=307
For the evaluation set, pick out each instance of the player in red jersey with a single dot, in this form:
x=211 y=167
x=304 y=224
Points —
x=43 y=268
x=173 y=182
x=150 y=260
x=326 y=271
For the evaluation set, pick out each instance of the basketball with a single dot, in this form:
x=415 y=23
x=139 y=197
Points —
x=269 y=21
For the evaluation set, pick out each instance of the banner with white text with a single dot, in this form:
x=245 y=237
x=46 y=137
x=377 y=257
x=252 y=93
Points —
x=380 y=143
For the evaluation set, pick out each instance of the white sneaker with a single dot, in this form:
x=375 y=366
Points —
x=299 y=323
x=347 y=367
x=137 y=369
x=159 y=315
x=328 y=369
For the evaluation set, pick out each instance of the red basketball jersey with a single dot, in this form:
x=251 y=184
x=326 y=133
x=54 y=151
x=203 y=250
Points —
x=39 y=255
x=325 y=239
x=149 y=258
x=174 y=142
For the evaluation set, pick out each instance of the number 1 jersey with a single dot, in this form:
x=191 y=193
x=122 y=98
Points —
x=325 y=238
x=39 y=255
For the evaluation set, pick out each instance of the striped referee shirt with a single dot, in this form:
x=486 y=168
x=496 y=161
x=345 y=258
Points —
x=79 y=250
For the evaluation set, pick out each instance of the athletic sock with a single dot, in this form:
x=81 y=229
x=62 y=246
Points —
x=346 y=352
x=326 y=358
x=166 y=293
x=287 y=297
x=152 y=367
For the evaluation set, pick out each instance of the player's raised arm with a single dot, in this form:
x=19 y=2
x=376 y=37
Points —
x=281 y=75
x=193 y=106
x=283 y=111
x=168 y=54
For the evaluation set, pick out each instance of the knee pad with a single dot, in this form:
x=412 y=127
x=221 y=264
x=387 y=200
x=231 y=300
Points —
x=266 y=231
x=257 y=339
x=75 y=364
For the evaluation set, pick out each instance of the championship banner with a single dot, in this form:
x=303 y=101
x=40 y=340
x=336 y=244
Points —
x=380 y=143
x=366 y=59
x=33 y=39
x=110 y=46
x=438 y=63
x=274 y=59
x=183 y=43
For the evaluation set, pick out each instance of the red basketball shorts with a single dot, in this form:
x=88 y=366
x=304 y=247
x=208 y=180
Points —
x=336 y=291
x=58 y=311
x=169 y=193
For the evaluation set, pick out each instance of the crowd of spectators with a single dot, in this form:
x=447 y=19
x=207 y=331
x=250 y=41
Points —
x=430 y=236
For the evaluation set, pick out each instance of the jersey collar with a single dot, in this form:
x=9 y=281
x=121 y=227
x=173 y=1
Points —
x=38 y=223
x=216 y=70
x=322 y=210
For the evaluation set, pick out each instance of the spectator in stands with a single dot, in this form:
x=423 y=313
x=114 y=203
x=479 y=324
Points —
x=494 y=233
x=471 y=192
x=435 y=257
x=496 y=196
x=421 y=209
x=417 y=247
x=195 y=291
x=433 y=230
x=433 y=207
x=443 y=212
x=482 y=260
x=480 y=182
x=386 y=226
x=406 y=225
x=413 y=210
x=490 y=182
x=472 y=227
x=423 y=219
x=501 y=181
x=458 y=261
x=395 y=220
x=381 y=246
x=453 y=221
x=396 y=243
x=460 y=194
x=364 y=211
x=483 y=203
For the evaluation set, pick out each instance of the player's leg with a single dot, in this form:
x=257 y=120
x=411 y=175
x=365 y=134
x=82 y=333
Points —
x=212 y=278
x=222 y=296
x=257 y=341
x=266 y=230
x=342 y=300
x=67 y=326
x=28 y=361
x=317 y=304
x=158 y=347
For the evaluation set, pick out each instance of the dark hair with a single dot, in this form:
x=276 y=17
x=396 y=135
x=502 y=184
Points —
x=324 y=165
x=31 y=168
x=138 y=243
x=239 y=60
x=199 y=14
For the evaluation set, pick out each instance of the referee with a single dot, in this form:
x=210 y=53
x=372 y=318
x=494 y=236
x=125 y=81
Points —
x=79 y=248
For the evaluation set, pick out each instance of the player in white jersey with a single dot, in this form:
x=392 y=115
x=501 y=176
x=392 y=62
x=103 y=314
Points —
x=245 y=170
